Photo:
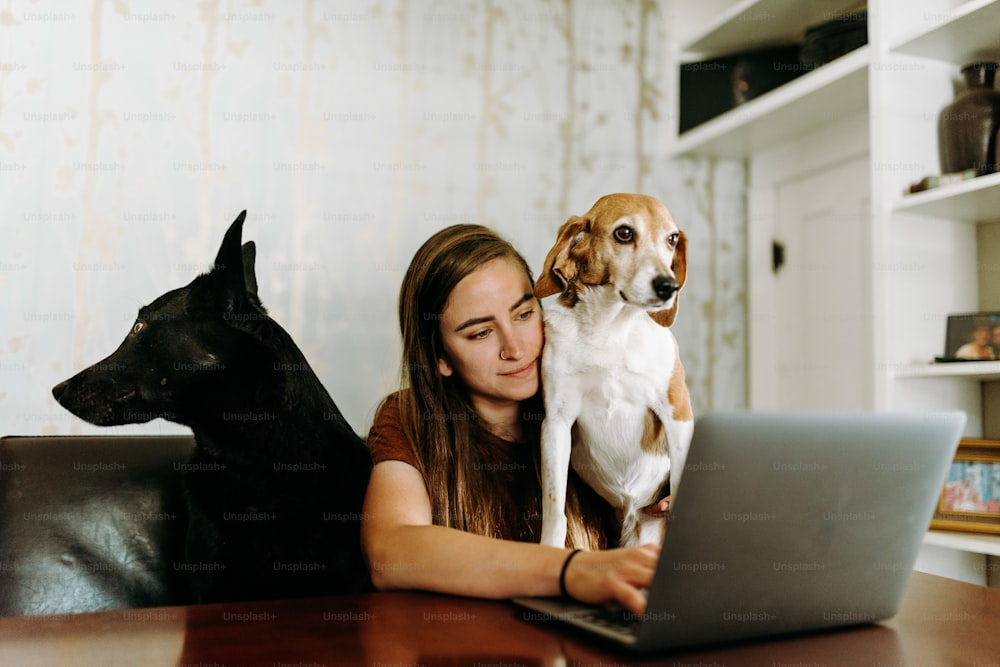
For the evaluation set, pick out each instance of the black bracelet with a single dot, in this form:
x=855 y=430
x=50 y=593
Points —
x=562 y=575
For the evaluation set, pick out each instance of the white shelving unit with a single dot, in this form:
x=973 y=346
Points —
x=834 y=91
x=956 y=35
x=905 y=261
x=976 y=370
x=972 y=542
x=972 y=201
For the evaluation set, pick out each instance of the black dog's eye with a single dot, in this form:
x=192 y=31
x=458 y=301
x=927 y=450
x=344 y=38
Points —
x=673 y=239
x=624 y=234
x=137 y=327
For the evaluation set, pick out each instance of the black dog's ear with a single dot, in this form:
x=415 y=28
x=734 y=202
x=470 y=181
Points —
x=249 y=277
x=228 y=271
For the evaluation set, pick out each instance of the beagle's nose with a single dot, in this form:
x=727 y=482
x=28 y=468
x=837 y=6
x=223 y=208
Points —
x=664 y=286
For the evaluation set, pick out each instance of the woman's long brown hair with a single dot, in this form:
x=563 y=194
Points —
x=438 y=417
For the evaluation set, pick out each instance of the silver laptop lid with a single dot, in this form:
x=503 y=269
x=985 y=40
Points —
x=789 y=522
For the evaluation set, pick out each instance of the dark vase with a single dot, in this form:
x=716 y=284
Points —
x=967 y=128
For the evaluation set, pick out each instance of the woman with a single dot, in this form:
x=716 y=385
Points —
x=978 y=348
x=453 y=502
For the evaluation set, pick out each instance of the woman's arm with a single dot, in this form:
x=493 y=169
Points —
x=404 y=550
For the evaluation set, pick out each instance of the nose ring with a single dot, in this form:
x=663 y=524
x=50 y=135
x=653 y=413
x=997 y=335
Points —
x=502 y=356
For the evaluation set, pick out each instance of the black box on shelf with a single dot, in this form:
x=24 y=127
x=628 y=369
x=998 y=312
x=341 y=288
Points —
x=706 y=90
x=830 y=40
x=709 y=88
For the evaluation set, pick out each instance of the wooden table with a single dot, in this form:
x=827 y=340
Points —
x=943 y=622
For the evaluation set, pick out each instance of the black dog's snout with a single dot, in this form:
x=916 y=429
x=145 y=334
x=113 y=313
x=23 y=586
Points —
x=60 y=389
x=664 y=287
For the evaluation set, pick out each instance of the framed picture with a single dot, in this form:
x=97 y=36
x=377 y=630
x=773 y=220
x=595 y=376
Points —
x=972 y=337
x=970 y=499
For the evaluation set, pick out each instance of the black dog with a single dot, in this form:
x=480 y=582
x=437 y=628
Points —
x=277 y=480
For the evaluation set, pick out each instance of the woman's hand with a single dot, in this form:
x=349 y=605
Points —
x=616 y=575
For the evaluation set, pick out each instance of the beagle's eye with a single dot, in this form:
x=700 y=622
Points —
x=673 y=239
x=624 y=234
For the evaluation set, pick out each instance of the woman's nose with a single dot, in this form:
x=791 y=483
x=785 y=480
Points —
x=511 y=347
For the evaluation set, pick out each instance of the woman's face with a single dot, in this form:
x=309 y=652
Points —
x=491 y=331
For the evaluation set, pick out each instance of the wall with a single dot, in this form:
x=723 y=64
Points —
x=132 y=133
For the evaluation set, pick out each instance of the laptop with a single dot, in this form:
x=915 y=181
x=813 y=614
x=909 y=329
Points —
x=784 y=523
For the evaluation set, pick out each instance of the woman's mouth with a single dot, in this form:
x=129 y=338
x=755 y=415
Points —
x=524 y=371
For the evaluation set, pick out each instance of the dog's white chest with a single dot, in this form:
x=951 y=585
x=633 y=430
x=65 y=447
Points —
x=611 y=378
x=607 y=379
x=623 y=366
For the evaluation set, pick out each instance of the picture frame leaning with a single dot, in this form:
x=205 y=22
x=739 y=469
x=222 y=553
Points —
x=972 y=337
x=970 y=498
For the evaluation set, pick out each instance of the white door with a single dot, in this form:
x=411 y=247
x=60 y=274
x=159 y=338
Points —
x=821 y=292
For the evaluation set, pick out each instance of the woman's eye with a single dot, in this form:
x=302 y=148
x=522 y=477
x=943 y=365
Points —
x=624 y=234
x=479 y=335
x=525 y=315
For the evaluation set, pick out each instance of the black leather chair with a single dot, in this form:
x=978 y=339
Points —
x=91 y=522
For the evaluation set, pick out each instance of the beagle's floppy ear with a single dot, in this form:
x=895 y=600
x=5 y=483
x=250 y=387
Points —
x=559 y=267
x=679 y=266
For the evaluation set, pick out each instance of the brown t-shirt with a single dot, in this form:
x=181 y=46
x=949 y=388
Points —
x=513 y=478
x=510 y=468
x=386 y=439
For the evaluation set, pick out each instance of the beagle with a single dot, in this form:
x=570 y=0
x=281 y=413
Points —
x=616 y=404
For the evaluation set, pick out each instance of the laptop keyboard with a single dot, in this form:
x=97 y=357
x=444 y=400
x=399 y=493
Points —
x=615 y=619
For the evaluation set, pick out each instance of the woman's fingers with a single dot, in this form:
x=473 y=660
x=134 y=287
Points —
x=617 y=575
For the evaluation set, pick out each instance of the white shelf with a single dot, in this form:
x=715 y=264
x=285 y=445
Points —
x=975 y=200
x=981 y=543
x=829 y=93
x=832 y=112
x=967 y=34
x=974 y=370
x=752 y=24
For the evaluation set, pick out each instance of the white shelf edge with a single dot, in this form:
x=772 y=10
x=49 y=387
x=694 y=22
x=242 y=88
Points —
x=972 y=370
x=742 y=117
x=958 y=14
x=916 y=202
x=729 y=15
x=707 y=42
x=981 y=543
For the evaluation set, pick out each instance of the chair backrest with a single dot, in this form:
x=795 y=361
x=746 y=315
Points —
x=91 y=522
